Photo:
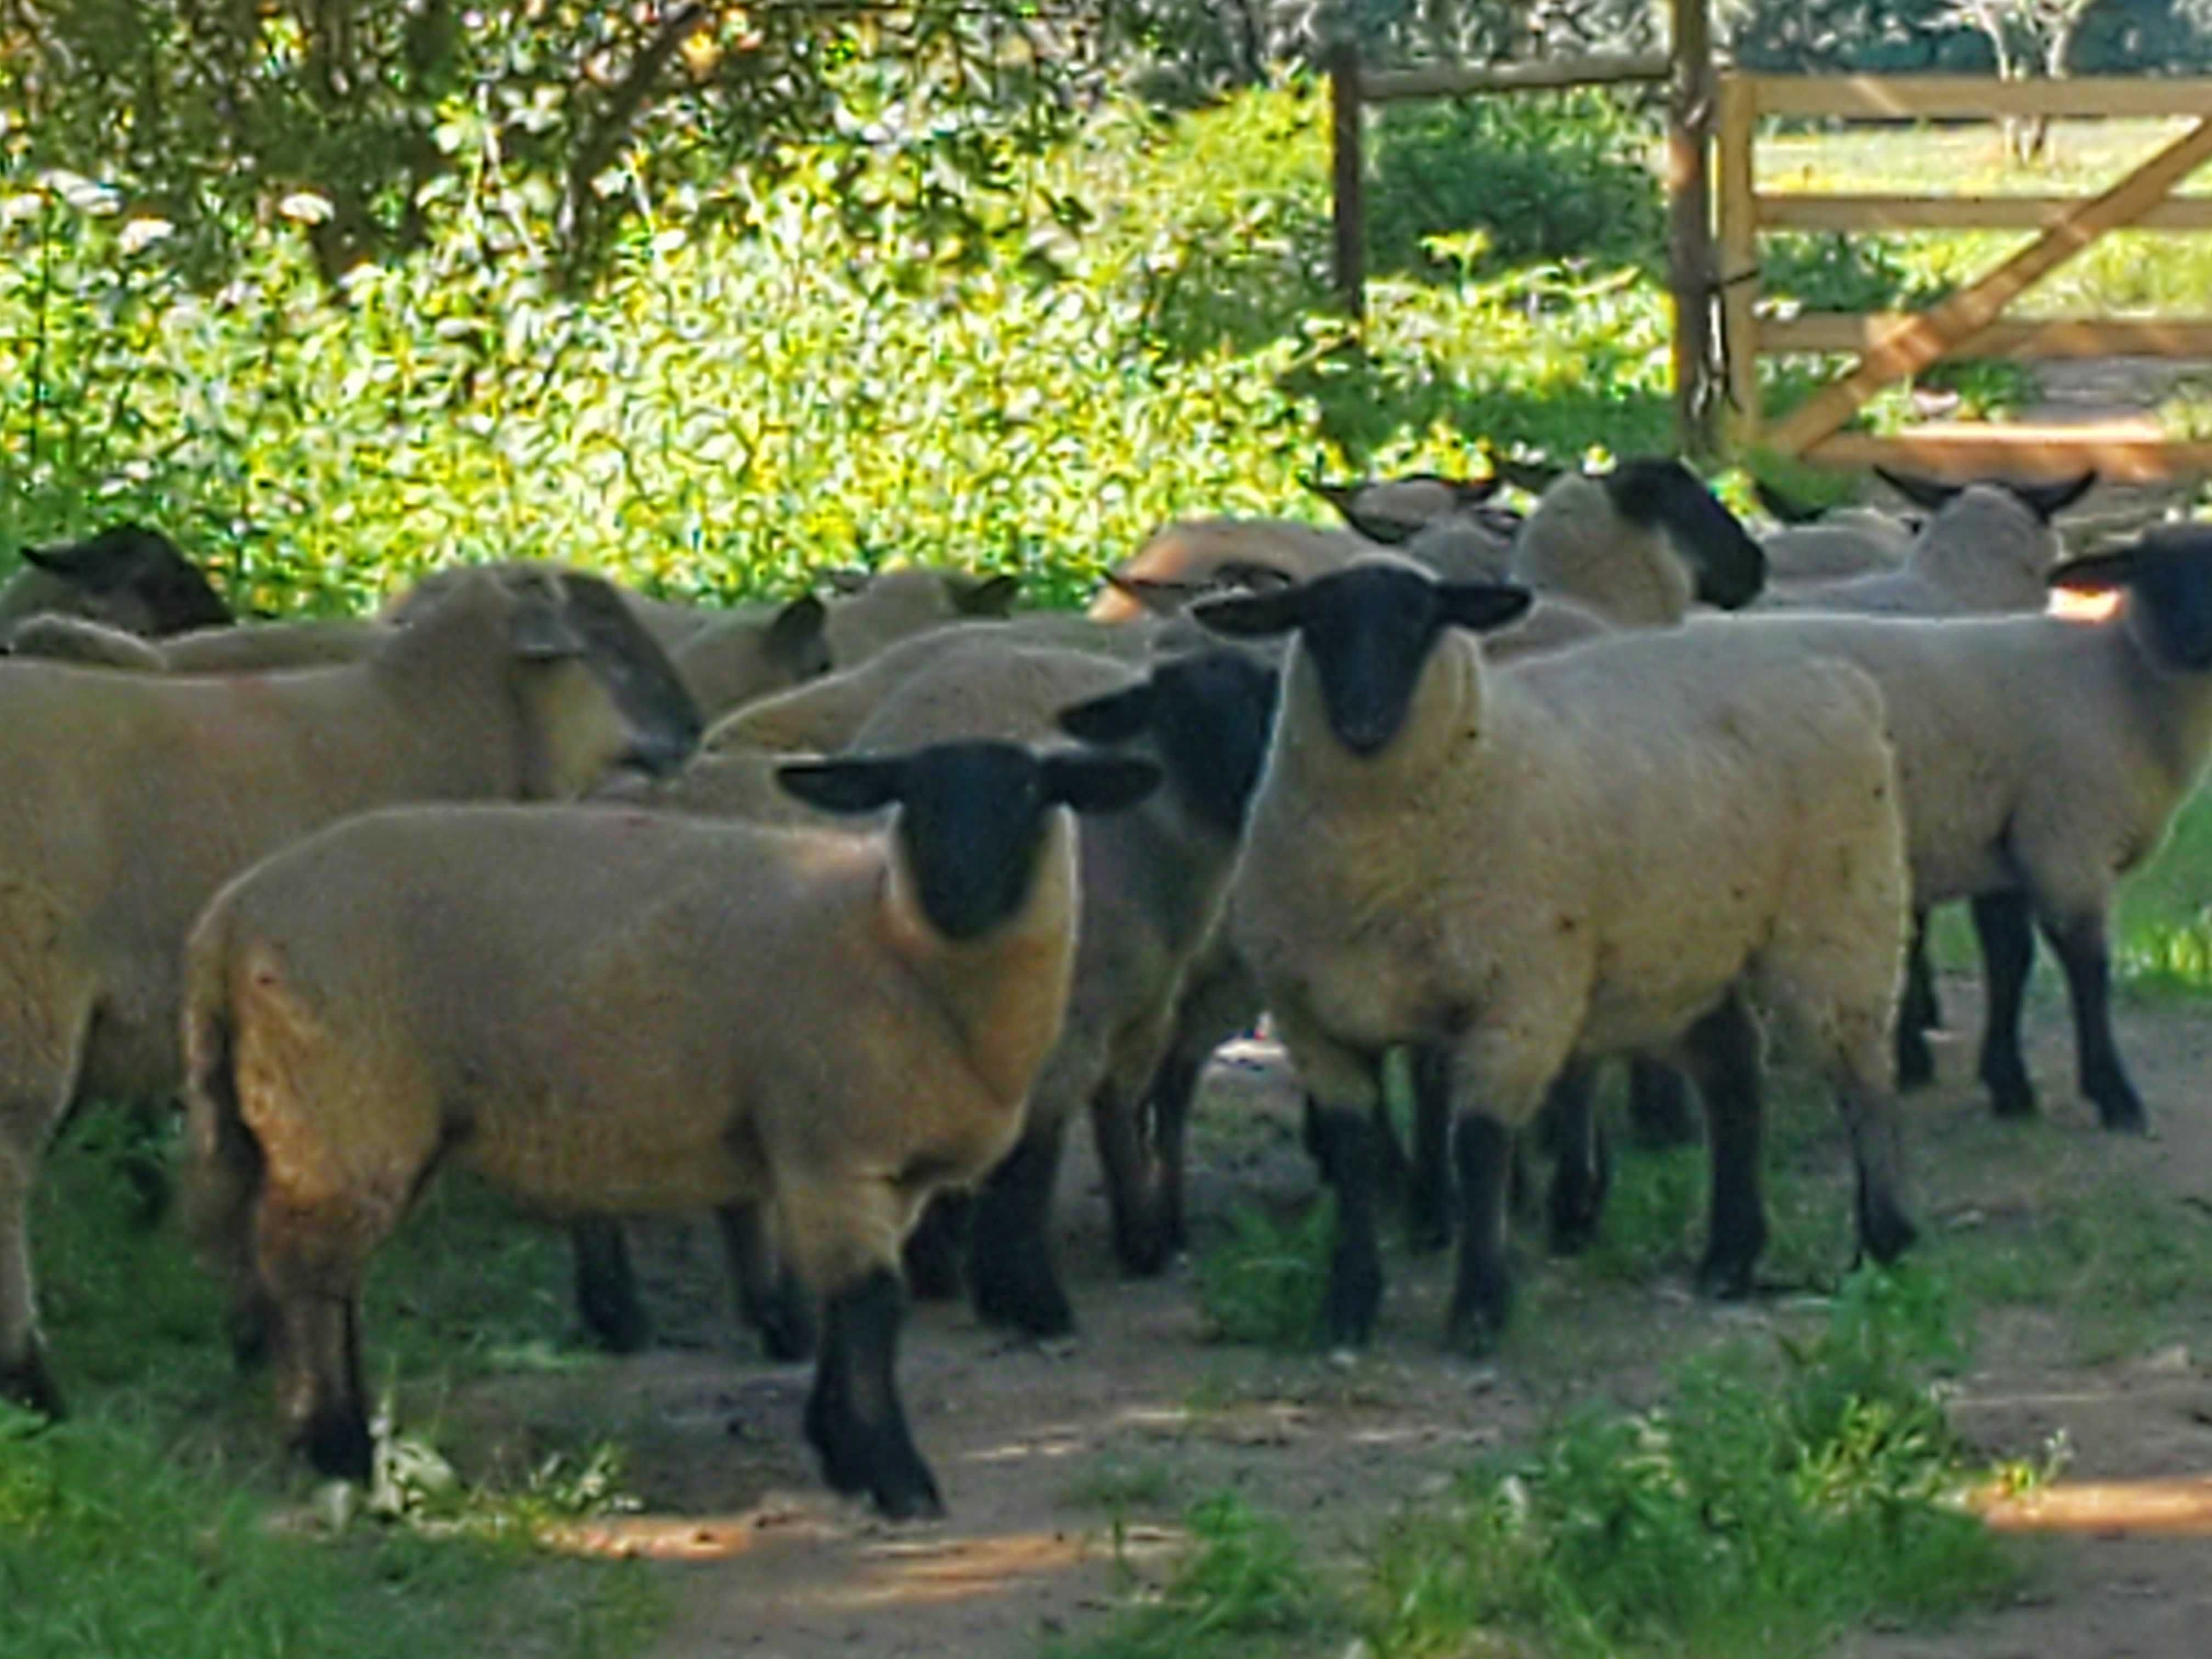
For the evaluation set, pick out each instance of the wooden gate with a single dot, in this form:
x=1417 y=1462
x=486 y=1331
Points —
x=1970 y=323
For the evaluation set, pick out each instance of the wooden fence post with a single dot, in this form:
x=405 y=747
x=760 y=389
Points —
x=1689 y=225
x=1345 y=94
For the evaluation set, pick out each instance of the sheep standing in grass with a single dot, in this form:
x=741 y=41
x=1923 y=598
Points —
x=127 y=576
x=2039 y=759
x=1605 y=851
x=604 y=1011
x=126 y=799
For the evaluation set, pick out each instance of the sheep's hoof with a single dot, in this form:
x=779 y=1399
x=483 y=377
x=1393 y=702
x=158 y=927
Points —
x=1024 y=1297
x=881 y=1463
x=2121 y=1111
x=910 y=1495
x=1144 y=1248
x=1726 y=1277
x=2011 y=1096
x=1478 y=1315
x=618 y=1327
x=27 y=1383
x=1353 y=1298
x=1885 y=1232
x=1916 y=1062
x=338 y=1443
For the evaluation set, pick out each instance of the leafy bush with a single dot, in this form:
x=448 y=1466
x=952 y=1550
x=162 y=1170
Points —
x=1544 y=178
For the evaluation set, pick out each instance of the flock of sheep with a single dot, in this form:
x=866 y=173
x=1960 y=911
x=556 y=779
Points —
x=467 y=884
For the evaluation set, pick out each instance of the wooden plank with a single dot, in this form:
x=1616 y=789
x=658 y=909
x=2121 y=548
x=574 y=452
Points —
x=1914 y=97
x=2057 y=336
x=2023 y=453
x=1458 y=80
x=1349 y=188
x=1789 y=210
x=1689 y=224
x=1739 y=257
x=1936 y=330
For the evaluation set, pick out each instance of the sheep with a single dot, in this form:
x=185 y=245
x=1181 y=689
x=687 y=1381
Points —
x=745 y=657
x=2040 y=758
x=254 y=647
x=130 y=798
x=127 y=576
x=1153 y=886
x=58 y=636
x=1988 y=547
x=1595 y=852
x=878 y=609
x=1390 y=512
x=1636 y=545
x=1814 y=546
x=602 y=1010
x=669 y=621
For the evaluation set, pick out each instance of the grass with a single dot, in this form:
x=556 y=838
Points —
x=143 y=1526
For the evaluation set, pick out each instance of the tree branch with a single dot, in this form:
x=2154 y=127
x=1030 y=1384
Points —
x=611 y=124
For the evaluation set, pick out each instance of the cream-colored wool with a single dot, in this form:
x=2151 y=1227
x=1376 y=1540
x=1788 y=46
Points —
x=58 y=636
x=1848 y=543
x=133 y=797
x=669 y=623
x=633 y=1011
x=1985 y=551
x=1577 y=856
x=1576 y=546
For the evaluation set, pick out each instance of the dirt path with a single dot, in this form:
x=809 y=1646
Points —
x=1042 y=1455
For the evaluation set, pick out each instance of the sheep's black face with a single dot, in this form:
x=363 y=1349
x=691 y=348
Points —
x=1368 y=632
x=1208 y=715
x=2168 y=577
x=972 y=816
x=1654 y=493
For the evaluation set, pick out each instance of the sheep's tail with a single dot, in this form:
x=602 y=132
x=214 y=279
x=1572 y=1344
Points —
x=224 y=1164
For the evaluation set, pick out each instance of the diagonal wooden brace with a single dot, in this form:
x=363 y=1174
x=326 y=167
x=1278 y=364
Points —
x=1915 y=344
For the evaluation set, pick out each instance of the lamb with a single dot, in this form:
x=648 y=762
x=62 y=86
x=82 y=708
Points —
x=1988 y=548
x=1814 y=546
x=130 y=798
x=1598 y=851
x=2040 y=758
x=606 y=1010
x=127 y=576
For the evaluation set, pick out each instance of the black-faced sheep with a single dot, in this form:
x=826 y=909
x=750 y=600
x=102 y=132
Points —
x=605 y=1010
x=129 y=799
x=1598 y=851
x=127 y=576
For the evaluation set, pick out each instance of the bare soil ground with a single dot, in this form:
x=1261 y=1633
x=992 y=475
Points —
x=1066 y=1469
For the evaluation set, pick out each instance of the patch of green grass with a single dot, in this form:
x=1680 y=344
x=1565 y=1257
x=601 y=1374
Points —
x=141 y=1528
x=1263 y=1284
x=1766 y=1505
x=2128 y=1269
x=1244 y=1588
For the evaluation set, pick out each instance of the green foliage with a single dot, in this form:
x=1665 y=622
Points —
x=1749 y=1513
x=1263 y=1284
x=1836 y=272
x=1562 y=177
x=1244 y=1587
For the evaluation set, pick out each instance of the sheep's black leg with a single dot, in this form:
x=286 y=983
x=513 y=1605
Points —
x=2080 y=944
x=1915 y=1011
x=770 y=1297
x=606 y=1286
x=1129 y=1156
x=1168 y=1107
x=934 y=1248
x=1343 y=1145
x=854 y=1417
x=2005 y=925
x=1584 y=1168
x=24 y=1378
x=1722 y=1049
x=324 y=1397
x=1659 y=1109
x=1482 y=1291
x=1010 y=1267
x=1428 y=1189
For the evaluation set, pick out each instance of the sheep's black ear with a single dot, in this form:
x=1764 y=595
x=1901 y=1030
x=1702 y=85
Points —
x=844 y=785
x=1534 y=477
x=1384 y=529
x=982 y=596
x=1159 y=598
x=2100 y=573
x=848 y=579
x=1098 y=783
x=794 y=636
x=1931 y=493
x=1338 y=496
x=1117 y=717
x=1254 y=616
x=2047 y=500
x=1483 y=605
x=1783 y=508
